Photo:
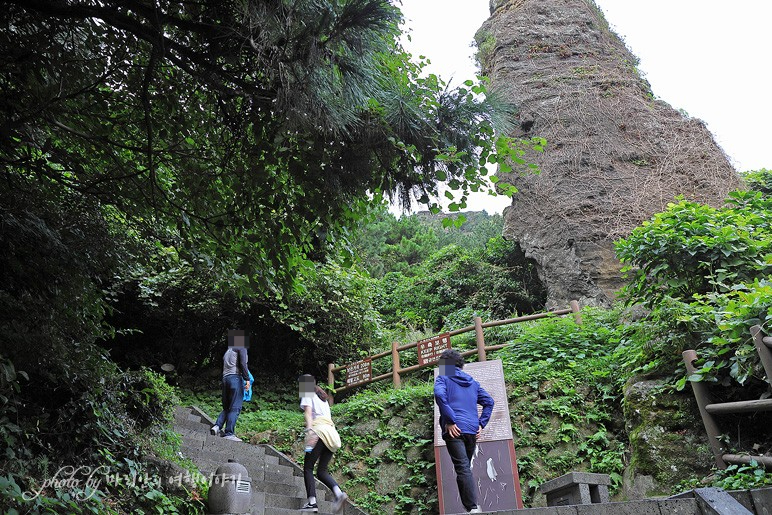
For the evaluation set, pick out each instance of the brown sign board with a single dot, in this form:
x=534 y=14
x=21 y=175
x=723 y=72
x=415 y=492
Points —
x=429 y=350
x=494 y=463
x=359 y=372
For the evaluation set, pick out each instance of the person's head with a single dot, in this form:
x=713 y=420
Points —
x=307 y=387
x=238 y=338
x=450 y=360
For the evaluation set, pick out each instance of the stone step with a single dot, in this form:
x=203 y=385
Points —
x=287 y=490
x=282 y=511
x=277 y=481
x=282 y=478
x=181 y=413
x=199 y=427
x=218 y=444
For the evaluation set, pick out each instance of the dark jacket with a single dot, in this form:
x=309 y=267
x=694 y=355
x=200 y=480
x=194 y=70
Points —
x=457 y=397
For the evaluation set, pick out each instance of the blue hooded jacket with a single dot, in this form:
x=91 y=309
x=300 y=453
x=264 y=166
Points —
x=457 y=397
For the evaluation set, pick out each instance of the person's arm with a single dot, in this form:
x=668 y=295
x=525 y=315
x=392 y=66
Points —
x=486 y=401
x=309 y=416
x=446 y=412
x=242 y=364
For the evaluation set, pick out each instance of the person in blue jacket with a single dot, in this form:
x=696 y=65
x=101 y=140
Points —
x=457 y=395
x=235 y=381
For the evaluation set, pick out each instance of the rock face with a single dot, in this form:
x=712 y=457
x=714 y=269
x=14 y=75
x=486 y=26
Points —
x=667 y=439
x=615 y=155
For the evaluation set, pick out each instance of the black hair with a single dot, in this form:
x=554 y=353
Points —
x=453 y=356
x=319 y=392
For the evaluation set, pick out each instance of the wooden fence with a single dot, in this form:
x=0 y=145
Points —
x=709 y=409
x=360 y=372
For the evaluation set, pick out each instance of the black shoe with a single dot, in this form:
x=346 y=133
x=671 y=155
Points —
x=310 y=508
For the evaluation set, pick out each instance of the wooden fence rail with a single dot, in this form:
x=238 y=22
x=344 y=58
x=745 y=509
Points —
x=360 y=372
x=708 y=408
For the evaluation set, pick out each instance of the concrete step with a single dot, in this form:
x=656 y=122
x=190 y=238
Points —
x=290 y=503
x=196 y=426
x=277 y=481
x=286 y=489
x=282 y=478
x=283 y=511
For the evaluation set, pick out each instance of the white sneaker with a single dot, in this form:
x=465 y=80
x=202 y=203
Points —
x=337 y=506
x=233 y=438
x=476 y=509
x=214 y=430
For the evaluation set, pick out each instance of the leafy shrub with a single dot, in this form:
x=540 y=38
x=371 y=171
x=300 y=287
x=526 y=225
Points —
x=694 y=249
x=703 y=273
x=742 y=477
x=730 y=351
x=759 y=180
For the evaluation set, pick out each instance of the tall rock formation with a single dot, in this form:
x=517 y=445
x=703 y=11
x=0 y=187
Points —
x=615 y=155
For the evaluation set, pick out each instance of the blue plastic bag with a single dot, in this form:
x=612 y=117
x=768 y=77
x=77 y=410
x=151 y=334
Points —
x=248 y=393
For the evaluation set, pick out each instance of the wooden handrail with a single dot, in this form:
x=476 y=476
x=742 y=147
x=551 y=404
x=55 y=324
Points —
x=741 y=459
x=723 y=408
x=708 y=408
x=526 y=318
x=480 y=349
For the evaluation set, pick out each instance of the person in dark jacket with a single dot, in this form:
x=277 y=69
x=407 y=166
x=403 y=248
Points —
x=457 y=395
x=235 y=380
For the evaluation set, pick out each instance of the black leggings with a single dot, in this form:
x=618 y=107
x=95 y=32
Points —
x=324 y=455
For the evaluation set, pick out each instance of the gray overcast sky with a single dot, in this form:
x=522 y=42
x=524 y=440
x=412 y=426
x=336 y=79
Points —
x=710 y=58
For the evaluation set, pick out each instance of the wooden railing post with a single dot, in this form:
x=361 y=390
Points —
x=765 y=354
x=330 y=382
x=395 y=368
x=478 y=331
x=703 y=399
x=577 y=315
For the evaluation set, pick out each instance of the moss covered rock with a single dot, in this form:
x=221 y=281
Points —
x=667 y=439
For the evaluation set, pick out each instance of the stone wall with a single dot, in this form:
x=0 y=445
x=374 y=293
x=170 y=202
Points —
x=615 y=155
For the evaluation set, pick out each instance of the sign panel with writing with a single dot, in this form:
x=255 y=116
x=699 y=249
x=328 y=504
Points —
x=359 y=372
x=429 y=350
x=494 y=463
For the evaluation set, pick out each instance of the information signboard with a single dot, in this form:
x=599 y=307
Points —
x=429 y=350
x=359 y=372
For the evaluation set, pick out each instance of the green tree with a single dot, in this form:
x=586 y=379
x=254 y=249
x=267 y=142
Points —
x=241 y=137
x=455 y=279
x=248 y=135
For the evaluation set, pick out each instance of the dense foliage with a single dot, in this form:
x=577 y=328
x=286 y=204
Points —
x=437 y=276
x=704 y=273
x=759 y=180
x=246 y=135
x=172 y=171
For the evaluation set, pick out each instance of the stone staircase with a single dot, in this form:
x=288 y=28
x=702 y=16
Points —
x=278 y=489
x=277 y=481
